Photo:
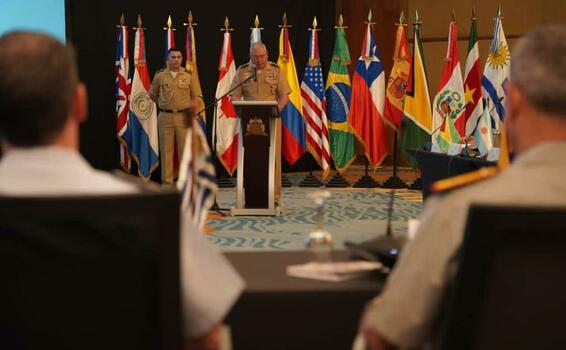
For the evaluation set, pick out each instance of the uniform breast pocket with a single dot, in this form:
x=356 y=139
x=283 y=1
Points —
x=183 y=84
x=272 y=86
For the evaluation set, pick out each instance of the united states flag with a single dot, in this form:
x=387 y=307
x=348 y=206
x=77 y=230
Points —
x=122 y=91
x=314 y=108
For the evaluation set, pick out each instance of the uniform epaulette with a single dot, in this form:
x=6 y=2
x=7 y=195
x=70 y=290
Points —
x=245 y=65
x=188 y=70
x=462 y=180
x=274 y=64
x=160 y=70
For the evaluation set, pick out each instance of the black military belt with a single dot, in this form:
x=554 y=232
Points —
x=174 y=110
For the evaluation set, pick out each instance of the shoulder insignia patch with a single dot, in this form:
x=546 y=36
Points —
x=462 y=180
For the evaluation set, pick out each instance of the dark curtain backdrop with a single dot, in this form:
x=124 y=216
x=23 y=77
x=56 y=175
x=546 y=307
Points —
x=91 y=27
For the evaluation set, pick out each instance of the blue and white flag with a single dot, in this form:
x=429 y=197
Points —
x=496 y=74
x=483 y=136
x=197 y=179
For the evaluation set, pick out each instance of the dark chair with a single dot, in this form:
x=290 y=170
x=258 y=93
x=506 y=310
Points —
x=98 y=272
x=510 y=289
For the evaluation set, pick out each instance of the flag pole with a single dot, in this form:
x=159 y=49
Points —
x=310 y=180
x=338 y=181
x=418 y=183
x=223 y=181
x=285 y=182
x=395 y=181
x=366 y=181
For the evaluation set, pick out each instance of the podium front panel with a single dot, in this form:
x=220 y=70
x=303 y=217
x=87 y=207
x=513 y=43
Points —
x=256 y=142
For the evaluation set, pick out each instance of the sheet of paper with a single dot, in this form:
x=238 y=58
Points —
x=333 y=271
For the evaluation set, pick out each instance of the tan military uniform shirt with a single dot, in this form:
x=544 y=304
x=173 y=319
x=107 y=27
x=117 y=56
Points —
x=269 y=86
x=409 y=312
x=174 y=92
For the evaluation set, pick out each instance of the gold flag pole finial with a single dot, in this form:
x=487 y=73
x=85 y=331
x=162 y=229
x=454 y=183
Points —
x=402 y=18
x=474 y=12
x=190 y=20
x=314 y=23
x=256 y=23
x=122 y=20
x=340 y=23
x=499 y=11
x=139 y=22
x=226 y=25
x=284 y=22
x=417 y=20
x=453 y=15
x=370 y=17
x=169 y=22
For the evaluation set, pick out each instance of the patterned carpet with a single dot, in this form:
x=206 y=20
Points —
x=350 y=214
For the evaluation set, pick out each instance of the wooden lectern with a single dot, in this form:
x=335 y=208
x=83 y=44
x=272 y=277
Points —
x=256 y=158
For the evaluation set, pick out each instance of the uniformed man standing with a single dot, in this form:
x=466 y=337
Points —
x=269 y=85
x=173 y=89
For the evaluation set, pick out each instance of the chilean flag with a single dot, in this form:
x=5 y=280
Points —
x=226 y=119
x=368 y=99
x=142 y=139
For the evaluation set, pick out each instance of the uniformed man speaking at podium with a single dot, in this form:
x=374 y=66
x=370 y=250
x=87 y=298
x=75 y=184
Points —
x=268 y=84
x=172 y=89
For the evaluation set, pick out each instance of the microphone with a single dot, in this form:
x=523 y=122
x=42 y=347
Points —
x=254 y=73
x=384 y=248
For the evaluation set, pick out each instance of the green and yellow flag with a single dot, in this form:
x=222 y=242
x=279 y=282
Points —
x=417 y=122
x=338 y=93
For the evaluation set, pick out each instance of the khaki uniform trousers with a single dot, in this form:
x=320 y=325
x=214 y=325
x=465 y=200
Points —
x=172 y=127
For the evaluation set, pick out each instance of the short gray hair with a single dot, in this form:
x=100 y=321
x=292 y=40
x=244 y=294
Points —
x=257 y=44
x=538 y=68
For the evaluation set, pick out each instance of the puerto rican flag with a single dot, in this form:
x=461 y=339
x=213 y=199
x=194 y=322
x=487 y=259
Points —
x=314 y=108
x=368 y=100
x=226 y=119
x=142 y=138
x=123 y=85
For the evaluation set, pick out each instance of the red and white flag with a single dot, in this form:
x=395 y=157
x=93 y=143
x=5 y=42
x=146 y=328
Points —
x=226 y=119
x=472 y=85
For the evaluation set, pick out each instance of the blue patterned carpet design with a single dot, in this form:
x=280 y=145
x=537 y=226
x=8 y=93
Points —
x=349 y=214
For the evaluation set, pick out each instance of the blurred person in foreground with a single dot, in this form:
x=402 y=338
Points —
x=408 y=312
x=43 y=106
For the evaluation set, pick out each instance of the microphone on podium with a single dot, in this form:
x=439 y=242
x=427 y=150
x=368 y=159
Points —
x=254 y=73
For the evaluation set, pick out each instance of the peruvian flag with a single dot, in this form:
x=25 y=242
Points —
x=368 y=100
x=226 y=119
x=122 y=91
x=472 y=85
x=449 y=101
